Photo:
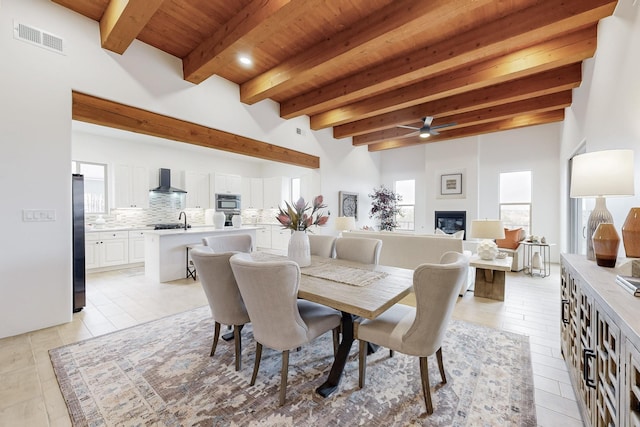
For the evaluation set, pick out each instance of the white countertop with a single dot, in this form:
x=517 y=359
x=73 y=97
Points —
x=198 y=230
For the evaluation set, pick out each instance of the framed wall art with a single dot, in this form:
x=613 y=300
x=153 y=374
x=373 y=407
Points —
x=348 y=204
x=451 y=184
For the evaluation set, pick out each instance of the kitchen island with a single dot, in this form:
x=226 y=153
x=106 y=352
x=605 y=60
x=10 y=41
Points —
x=165 y=250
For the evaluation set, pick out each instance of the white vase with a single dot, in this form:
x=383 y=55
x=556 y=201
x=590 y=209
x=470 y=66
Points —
x=299 y=249
x=218 y=219
x=236 y=221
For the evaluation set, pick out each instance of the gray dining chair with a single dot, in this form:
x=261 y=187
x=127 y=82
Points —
x=358 y=249
x=280 y=321
x=229 y=243
x=221 y=289
x=418 y=331
x=322 y=245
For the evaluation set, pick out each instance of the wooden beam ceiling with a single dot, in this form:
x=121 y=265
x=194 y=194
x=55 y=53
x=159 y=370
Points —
x=99 y=111
x=364 y=67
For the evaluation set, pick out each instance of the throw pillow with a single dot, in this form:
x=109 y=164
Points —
x=511 y=239
x=458 y=234
x=440 y=233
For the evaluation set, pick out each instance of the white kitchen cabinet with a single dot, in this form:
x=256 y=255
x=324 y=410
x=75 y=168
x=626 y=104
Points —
x=131 y=186
x=252 y=193
x=197 y=187
x=136 y=246
x=263 y=237
x=106 y=249
x=280 y=237
x=91 y=250
x=225 y=183
x=276 y=191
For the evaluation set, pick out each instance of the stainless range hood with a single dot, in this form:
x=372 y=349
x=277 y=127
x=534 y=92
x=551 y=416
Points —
x=165 y=183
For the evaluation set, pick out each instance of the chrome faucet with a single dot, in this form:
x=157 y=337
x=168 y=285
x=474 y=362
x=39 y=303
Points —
x=185 y=219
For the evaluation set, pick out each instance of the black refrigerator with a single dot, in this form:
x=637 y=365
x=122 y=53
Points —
x=77 y=197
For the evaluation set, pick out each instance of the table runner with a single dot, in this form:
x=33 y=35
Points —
x=327 y=270
x=342 y=274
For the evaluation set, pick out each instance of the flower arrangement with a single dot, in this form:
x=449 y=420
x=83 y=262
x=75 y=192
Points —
x=296 y=217
x=385 y=207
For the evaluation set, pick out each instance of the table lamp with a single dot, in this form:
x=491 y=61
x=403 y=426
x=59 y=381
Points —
x=599 y=174
x=487 y=229
x=345 y=223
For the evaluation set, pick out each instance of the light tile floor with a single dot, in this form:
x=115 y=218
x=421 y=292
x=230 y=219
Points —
x=29 y=393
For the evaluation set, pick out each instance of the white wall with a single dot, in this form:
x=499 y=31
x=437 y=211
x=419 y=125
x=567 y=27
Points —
x=606 y=107
x=35 y=128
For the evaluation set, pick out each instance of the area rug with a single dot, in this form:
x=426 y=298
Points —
x=160 y=374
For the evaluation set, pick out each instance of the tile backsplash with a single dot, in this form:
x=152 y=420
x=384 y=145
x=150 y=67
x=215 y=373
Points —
x=166 y=208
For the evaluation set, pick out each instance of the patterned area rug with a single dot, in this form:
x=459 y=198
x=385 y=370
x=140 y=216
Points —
x=160 y=373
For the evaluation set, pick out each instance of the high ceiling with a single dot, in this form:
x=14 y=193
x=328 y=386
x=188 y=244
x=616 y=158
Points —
x=365 y=67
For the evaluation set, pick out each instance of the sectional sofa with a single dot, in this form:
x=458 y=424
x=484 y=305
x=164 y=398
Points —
x=407 y=250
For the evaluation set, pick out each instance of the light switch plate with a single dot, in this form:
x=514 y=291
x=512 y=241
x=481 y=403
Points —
x=38 y=215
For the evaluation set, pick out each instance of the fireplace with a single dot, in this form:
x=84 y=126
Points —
x=452 y=221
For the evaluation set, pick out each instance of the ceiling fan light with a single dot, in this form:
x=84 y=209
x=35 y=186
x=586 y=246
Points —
x=425 y=134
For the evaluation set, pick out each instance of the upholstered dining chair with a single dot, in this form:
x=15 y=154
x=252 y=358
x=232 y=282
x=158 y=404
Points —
x=322 y=245
x=229 y=243
x=418 y=331
x=225 y=301
x=358 y=249
x=280 y=321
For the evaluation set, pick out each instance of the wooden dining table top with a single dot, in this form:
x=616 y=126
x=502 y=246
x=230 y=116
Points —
x=368 y=301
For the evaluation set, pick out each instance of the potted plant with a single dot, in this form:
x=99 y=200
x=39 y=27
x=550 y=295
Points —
x=385 y=207
x=297 y=218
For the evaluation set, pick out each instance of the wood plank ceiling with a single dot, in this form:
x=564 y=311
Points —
x=365 y=67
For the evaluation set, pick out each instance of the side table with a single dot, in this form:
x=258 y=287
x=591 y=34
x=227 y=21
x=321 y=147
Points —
x=542 y=270
x=490 y=276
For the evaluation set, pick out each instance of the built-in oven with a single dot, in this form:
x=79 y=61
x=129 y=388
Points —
x=227 y=202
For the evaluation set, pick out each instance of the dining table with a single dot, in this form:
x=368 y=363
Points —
x=356 y=290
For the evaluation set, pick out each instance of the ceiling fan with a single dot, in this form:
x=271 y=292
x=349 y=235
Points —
x=427 y=130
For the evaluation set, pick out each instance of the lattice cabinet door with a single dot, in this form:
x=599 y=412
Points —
x=632 y=412
x=573 y=350
x=565 y=313
x=608 y=383
x=587 y=360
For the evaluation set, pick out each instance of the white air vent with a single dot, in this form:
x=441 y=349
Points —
x=38 y=37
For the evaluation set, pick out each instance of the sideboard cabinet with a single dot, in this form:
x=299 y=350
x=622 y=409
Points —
x=600 y=326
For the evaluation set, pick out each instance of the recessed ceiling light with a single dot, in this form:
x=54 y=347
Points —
x=245 y=60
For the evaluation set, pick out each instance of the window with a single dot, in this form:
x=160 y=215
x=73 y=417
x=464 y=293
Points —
x=95 y=185
x=295 y=189
x=515 y=200
x=407 y=190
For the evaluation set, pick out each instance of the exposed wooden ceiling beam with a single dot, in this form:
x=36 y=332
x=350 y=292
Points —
x=501 y=125
x=206 y=59
x=561 y=51
x=552 y=81
x=90 y=109
x=539 y=104
x=524 y=28
x=123 y=20
x=401 y=18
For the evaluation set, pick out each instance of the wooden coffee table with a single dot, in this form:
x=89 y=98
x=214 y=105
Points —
x=490 y=276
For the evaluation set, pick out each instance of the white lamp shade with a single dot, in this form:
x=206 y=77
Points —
x=602 y=173
x=487 y=229
x=345 y=223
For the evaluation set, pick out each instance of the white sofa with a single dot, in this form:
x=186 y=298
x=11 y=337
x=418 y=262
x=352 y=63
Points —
x=407 y=250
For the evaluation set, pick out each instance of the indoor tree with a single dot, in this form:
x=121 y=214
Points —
x=384 y=207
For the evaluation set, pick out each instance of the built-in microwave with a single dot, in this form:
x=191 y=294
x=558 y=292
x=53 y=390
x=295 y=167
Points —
x=227 y=202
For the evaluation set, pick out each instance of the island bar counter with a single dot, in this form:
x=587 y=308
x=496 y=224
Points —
x=165 y=250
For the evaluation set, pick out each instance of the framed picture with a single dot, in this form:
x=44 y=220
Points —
x=348 y=204
x=451 y=184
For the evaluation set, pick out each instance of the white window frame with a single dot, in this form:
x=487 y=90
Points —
x=76 y=166
x=410 y=225
x=525 y=202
